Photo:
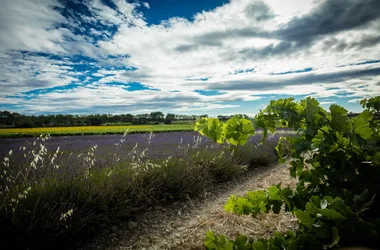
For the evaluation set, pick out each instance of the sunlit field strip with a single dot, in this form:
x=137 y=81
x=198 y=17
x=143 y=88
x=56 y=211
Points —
x=24 y=132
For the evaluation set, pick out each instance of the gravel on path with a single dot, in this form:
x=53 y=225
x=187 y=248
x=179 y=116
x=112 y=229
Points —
x=183 y=225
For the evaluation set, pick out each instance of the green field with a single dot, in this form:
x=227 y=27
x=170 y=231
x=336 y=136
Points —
x=92 y=130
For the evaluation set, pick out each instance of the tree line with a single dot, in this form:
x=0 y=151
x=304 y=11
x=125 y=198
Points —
x=12 y=119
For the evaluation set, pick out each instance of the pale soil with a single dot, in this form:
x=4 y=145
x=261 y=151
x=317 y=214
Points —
x=183 y=225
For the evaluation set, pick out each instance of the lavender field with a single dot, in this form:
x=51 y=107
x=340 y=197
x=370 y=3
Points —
x=160 y=144
x=60 y=191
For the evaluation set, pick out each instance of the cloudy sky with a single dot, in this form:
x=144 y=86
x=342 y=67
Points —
x=190 y=57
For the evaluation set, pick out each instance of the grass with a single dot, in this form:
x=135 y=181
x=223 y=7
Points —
x=92 y=130
x=59 y=200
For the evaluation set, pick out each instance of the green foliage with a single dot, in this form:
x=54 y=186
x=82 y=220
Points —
x=372 y=104
x=337 y=162
x=95 y=130
x=16 y=120
x=236 y=130
x=255 y=202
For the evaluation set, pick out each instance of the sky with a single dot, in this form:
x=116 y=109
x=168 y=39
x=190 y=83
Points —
x=185 y=57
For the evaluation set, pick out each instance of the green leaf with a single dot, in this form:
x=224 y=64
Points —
x=230 y=204
x=372 y=103
x=312 y=207
x=339 y=119
x=276 y=206
x=312 y=111
x=222 y=240
x=281 y=150
x=363 y=102
x=266 y=122
x=333 y=215
x=304 y=218
x=210 y=235
x=210 y=127
x=361 y=128
x=258 y=245
x=229 y=246
x=274 y=193
x=209 y=241
x=239 y=205
x=338 y=205
x=258 y=195
x=376 y=159
x=200 y=125
x=241 y=240
x=336 y=237
x=237 y=130
x=362 y=197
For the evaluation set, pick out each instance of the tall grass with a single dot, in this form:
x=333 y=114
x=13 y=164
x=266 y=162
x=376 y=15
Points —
x=59 y=200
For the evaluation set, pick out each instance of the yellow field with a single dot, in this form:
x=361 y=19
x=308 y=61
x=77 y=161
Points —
x=21 y=132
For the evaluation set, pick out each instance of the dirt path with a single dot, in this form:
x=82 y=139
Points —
x=183 y=225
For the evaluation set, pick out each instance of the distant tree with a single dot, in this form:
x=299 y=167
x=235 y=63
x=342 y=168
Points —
x=223 y=117
x=61 y=120
x=4 y=117
x=16 y=120
x=170 y=116
x=129 y=118
x=95 y=121
x=168 y=121
x=157 y=116
x=142 y=119
x=25 y=122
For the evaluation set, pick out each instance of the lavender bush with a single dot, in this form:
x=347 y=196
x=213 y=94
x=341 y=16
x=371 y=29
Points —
x=57 y=198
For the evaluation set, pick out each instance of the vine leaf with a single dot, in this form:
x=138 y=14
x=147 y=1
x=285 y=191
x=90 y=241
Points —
x=305 y=218
x=238 y=130
x=209 y=240
x=333 y=215
x=210 y=127
x=258 y=245
x=339 y=119
x=336 y=237
x=361 y=128
x=273 y=193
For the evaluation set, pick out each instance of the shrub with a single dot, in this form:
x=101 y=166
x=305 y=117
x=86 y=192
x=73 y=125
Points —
x=26 y=124
x=59 y=199
x=168 y=121
x=337 y=162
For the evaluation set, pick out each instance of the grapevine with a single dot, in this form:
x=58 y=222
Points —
x=336 y=160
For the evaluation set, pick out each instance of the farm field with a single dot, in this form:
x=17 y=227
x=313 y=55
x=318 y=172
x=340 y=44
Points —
x=93 y=180
x=160 y=145
x=92 y=130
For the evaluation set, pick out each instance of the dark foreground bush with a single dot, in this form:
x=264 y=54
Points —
x=336 y=160
x=60 y=200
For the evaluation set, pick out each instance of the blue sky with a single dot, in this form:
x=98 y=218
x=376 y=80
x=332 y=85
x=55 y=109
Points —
x=190 y=57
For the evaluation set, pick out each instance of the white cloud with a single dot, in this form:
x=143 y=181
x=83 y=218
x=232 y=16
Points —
x=124 y=14
x=240 y=35
x=22 y=73
x=285 y=10
x=154 y=49
x=326 y=103
x=146 y=5
x=27 y=25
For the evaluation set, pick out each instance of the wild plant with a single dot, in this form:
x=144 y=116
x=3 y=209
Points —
x=50 y=197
